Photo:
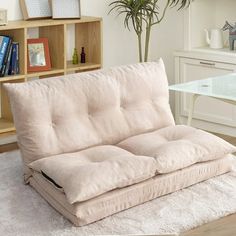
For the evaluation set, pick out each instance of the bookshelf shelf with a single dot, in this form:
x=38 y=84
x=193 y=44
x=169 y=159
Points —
x=11 y=77
x=88 y=34
x=21 y=24
x=82 y=67
x=6 y=125
x=51 y=72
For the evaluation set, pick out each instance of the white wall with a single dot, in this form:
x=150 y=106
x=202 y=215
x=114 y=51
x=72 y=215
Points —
x=168 y=37
x=120 y=45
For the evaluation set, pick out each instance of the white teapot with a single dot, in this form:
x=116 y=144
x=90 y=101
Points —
x=215 y=40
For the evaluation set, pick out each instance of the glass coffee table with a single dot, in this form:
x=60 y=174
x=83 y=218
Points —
x=221 y=87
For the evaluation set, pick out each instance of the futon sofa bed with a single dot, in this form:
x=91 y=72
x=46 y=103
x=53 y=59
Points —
x=96 y=143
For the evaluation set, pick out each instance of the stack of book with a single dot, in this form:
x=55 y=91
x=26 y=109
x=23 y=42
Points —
x=9 y=56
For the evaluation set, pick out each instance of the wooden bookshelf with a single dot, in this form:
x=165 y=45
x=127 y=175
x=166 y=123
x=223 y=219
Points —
x=88 y=34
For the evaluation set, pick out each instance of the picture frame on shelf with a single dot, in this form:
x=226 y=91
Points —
x=66 y=9
x=35 y=9
x=38 y=55
x=3 y=16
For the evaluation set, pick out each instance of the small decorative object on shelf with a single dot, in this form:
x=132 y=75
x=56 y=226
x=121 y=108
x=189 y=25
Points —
x=63 y=9
x=215 y=38
x=38 y=55
x=82 y=56
x=232 y=33
x=75 y=58
x=33 y=9
x=3 y=16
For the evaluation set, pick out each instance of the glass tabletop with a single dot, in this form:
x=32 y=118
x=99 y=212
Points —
x=223 y=87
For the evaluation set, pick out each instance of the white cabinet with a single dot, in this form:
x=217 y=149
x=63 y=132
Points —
x=198 y=61
x=210 y=114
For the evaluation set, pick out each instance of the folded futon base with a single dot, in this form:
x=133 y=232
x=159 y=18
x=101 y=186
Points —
x=107 y=140
x=120 y=199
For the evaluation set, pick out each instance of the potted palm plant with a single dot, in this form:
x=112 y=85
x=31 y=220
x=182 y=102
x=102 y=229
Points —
x=143 y=15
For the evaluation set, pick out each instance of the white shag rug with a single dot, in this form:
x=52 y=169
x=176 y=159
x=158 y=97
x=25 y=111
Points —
x=23 y=212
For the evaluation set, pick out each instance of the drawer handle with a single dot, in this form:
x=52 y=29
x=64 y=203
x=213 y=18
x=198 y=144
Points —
x=207 y=63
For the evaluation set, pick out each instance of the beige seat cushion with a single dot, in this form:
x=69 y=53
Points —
x=92 y=172
x=177 y=147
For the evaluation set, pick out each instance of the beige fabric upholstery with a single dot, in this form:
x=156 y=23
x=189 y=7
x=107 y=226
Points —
x=94 y=171
x=97 y=170
x=68 y=127
x=71 y=113
x=178 y=147
x=120 y=199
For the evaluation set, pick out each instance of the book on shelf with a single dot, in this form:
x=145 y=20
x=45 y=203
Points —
x=9 y=56
x=8 y=61
x=5 y=59
x=14 y=63
x=17 y=59
x=4 y=43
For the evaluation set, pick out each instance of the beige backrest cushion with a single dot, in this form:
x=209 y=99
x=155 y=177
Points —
x=73 y=112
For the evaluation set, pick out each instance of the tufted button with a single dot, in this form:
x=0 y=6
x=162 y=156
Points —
x=122 y=109
x=53 y=124
x=123 y=105
x=89 y=112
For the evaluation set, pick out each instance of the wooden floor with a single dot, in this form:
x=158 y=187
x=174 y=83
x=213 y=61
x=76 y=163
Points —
x=229 y=139
x=222 y=227
x=8 y=147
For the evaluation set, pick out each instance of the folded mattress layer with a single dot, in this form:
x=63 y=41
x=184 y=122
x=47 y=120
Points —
x=120 y=199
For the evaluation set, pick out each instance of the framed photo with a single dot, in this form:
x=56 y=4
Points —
x=34 y=9
x=38 y=55
x=66 y=9
x=3 y=16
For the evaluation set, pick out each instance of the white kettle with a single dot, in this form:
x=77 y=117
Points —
x=215 y=40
